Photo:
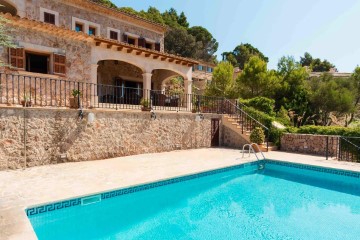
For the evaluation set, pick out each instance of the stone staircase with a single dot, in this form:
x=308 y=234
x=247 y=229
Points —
x=243 y=129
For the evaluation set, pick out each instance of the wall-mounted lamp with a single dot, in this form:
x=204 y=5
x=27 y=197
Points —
x=81 y=114
x=153 y=114
x=199 y=117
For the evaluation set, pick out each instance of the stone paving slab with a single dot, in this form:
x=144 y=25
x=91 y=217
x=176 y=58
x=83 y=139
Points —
x=36 y=186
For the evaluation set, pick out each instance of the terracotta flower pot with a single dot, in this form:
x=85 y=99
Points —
x=146 y=109
x=26 y=103
x=74 y=102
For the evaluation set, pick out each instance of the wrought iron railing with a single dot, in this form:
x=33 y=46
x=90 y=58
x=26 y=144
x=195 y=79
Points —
x=16 y=89
x=246 y=122
x=349 y=149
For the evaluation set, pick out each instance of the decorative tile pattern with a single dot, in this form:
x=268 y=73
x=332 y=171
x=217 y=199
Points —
x=314 y=168
x=116 y=193
x=53 y=206
x=171 y=181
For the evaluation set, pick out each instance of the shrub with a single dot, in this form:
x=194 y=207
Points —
x=75 y=92
x=257 y=136
x=322 y=130
x=145 y=102
x=275 y=135
x=261 y=117
x=262 y=104
x=282 y=116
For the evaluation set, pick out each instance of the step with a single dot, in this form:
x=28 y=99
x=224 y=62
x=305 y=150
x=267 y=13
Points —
x=233 y=119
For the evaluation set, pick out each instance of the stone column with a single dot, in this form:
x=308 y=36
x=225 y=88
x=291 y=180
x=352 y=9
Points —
x=147 y=84
x=188 y=92
x=94 y=77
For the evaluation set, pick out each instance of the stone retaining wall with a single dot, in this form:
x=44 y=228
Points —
x=57 y=135
x=309 y=144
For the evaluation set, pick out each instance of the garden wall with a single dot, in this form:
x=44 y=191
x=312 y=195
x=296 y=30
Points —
x=58 y=135
x=309 y=144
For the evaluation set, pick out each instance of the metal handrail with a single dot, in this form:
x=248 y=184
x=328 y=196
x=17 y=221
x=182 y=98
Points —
x=348 y=141
x=345 y=153
x=251 y=148
x=237 y=108
x=253 y=119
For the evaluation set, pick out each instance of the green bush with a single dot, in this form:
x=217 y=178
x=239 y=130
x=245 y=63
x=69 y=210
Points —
x=275 y=135
x=75 y=93
x=257 y=136
x=282 y=116
x=262 y=104
x=261 y=117
x=145 y=102
x=321 y=130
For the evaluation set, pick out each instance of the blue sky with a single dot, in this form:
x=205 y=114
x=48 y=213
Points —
x=328 y=29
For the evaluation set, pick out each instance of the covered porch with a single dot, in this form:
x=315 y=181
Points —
x=119 y=82
x=125 y=74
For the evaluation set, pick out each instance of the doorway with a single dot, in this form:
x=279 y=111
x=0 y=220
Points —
x=215 y=132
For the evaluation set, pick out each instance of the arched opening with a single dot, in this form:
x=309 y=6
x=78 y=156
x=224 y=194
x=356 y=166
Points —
x=168 y=88
x=6 y=7
x=119 y=82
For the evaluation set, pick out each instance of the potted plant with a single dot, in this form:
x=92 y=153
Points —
x=145 y=103
x=257 y=136
x=27 y=101
x=74 y=100
x=195 y=108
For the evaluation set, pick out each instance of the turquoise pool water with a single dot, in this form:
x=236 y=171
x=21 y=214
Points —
x=274 y=203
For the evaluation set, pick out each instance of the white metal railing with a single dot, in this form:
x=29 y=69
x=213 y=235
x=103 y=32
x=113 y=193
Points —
x=252 y=149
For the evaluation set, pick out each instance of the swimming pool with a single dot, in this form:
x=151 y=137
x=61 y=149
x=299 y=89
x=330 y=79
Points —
x=261 y=200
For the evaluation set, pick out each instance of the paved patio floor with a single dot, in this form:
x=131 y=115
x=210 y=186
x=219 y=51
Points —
x=35 y=186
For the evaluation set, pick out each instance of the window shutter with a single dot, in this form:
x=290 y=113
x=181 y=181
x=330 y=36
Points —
x=125 y=38
x=59 y=64
x=141 y=42
x=157 y=46
x=17 y=57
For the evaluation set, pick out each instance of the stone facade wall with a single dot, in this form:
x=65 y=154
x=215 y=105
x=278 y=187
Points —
x=231 y=138
x=57 y=135
x=309 y=144
x=66 y=12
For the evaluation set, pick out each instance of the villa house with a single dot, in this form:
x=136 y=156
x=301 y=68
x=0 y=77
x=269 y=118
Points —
x=202 y=75
x=82 y=41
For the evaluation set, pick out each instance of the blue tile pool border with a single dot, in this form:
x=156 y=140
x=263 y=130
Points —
x=107 y=195
x=341 y=172
x=111 y=194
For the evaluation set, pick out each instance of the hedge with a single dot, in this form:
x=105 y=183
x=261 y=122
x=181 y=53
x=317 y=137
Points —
x=261 y=117
x=321 y=130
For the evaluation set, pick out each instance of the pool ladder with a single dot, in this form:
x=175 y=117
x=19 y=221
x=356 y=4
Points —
x=252 y=149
